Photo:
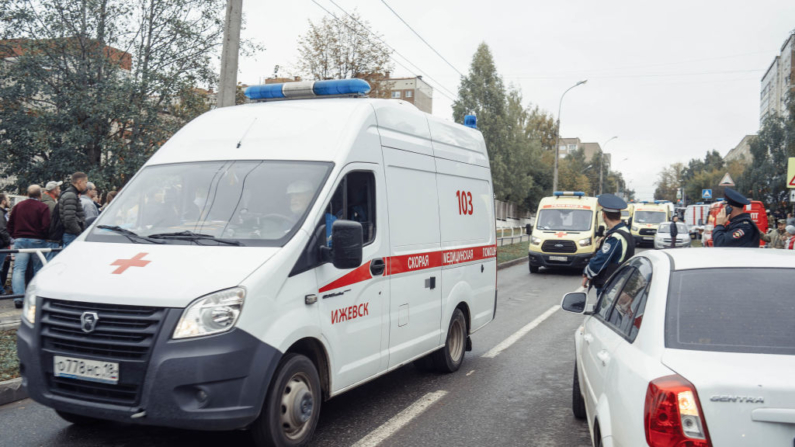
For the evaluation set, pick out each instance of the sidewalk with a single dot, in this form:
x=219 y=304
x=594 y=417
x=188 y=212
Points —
x=9 y=316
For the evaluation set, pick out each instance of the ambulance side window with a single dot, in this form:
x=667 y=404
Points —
x=354 y=200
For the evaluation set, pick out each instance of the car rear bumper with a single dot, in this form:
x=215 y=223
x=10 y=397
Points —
x=573 y=260
x=207 y=383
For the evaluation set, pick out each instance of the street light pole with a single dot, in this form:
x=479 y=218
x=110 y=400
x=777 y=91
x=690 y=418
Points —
x=602 y=169
x=557 y=139
x=227 y=83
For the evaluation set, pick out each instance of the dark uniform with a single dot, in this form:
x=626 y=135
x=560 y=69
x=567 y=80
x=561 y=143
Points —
x=617 y=246
x=741 y=231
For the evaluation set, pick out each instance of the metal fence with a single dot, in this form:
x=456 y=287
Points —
x=40 y=252
x=508 y=236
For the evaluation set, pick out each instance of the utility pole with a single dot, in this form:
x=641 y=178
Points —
x=227 y=84
x=557 y=140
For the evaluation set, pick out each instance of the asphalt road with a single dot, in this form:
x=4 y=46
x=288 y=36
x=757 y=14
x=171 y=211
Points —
x=520 y=397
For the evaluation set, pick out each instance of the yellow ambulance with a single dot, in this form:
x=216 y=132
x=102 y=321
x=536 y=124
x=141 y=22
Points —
x=646 y=219
x=627 y=213
x=566 y=230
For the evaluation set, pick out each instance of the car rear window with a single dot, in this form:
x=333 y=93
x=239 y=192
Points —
x=748 y=310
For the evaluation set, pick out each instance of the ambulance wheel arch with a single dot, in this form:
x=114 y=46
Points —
x=316 y=351
x=460 y=297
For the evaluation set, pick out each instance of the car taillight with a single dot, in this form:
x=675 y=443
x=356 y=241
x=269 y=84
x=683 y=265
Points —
x=673 y=415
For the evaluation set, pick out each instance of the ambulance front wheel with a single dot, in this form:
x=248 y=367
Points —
x=533 y=268
x=292 y=406
x=450 y=358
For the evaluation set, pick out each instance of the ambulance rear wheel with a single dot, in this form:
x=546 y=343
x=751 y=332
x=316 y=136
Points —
x=292 y=406
x=533 y=268
x=450 y=358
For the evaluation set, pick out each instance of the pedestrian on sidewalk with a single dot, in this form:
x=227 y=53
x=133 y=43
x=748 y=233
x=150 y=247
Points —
x=790 y=219
x=51 y=194
x=87 y=200
x=108 y=198
x=5 y=239
x=70 y=209
x=778 y=236
x=790 y=244
x=674 y=230
x=29 y=225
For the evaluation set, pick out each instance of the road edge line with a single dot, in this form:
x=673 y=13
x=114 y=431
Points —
x=400 y=420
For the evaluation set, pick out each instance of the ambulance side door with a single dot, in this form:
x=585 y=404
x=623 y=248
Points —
x=354 y=303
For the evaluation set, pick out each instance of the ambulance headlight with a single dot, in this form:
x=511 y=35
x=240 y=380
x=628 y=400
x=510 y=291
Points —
x=585 y=242
x=211 y=314
x=535 y=240
x=635 y=228
x=29 y=303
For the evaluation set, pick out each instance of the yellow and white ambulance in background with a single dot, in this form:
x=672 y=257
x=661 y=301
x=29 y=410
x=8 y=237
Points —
x=626 y=214
x=646 y=219
x=566 y=229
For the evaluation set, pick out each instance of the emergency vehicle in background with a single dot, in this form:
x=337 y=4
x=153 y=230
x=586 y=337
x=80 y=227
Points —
x=566 y=229
x=696 y=217
x=758 y=215
x=646 y=219
x=626 y=214
x=269 y=257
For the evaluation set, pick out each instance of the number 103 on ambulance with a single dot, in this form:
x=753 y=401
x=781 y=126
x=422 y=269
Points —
x=464 y=202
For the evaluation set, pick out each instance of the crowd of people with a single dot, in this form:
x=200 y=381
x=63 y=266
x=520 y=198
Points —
x=783 y=236
x=48 y=219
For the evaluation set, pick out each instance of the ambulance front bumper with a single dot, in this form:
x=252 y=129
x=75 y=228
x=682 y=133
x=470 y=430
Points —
x=565 y=260
x=207 y=383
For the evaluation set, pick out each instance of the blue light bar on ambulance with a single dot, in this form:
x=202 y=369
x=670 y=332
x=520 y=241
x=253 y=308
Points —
x=568 y=193
x=471 y=121
x=309 y=89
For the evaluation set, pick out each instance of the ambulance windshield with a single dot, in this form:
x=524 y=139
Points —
x=649 y=217
x=251 y=203
x=564 y=220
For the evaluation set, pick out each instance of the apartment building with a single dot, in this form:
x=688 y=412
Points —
x=413 y=90
x=778 y=80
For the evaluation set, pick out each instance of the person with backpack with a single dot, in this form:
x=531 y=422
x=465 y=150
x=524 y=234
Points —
x=72 y=218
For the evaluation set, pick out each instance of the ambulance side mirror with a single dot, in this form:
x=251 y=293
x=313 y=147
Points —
x=347 y=241
x=528 y=229
x=600 y=232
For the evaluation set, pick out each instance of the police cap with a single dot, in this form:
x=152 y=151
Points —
x=611 y=203
x=735 y=198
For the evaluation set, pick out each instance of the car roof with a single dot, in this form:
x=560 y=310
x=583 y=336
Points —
x=701 y=258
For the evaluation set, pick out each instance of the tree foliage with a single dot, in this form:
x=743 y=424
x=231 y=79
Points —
x=99 y=85
x=345 y=48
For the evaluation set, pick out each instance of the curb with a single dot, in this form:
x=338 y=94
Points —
x=512 y=263
x=12 y=391
x=7 y=325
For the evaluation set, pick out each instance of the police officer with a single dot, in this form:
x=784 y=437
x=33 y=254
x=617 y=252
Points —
x=741 y=230
x=616 y=247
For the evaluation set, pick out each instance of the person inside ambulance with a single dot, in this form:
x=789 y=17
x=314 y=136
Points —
x=300 y=195
x=617 y=246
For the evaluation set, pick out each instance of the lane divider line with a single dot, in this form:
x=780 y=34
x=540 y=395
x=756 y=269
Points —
x=400 y=420
x=505 y=344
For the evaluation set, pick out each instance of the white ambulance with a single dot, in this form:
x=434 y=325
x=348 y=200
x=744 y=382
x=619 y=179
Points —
x=269 y=257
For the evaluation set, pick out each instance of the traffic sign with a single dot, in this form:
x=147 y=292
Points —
x=726 y=181
x=706 y=193
x=791 y=173
x=792 y=196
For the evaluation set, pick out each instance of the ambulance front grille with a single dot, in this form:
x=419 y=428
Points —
x=648 y=232
x=558 y=246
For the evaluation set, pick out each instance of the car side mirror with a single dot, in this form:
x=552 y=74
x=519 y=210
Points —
x=347 y=241
x=600 y=232
x=528 y=229
x=574 y=302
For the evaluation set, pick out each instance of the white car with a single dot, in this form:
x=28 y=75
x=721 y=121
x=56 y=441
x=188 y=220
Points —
x=689 y=348
x=663 y=237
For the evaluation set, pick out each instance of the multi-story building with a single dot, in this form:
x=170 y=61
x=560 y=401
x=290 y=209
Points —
x=413 y=90
x=779 y=79
x=568 y=146
x=742 y=152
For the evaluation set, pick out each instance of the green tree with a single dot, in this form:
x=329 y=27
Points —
x=99 y=85
x=669 y=181
x=482 y=93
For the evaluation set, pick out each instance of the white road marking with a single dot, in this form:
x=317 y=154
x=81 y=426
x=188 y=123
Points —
x=505 y=344
x=470 y=373
x=401 y=419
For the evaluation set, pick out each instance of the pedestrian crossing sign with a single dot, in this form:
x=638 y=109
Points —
x=791 y=173
x=706 y=193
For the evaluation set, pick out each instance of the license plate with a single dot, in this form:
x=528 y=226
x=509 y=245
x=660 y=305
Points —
x=559 y=258
x=92 y=370
x=648 y=238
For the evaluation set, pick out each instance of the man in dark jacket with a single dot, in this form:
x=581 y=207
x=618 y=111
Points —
x=71 y=211
x=733 y=226
x=674 y=230
x=29 y=225
x=5 y=238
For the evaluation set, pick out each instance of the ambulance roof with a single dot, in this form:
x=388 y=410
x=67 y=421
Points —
x=651 y=207
x=318 y=130
x=569 y=202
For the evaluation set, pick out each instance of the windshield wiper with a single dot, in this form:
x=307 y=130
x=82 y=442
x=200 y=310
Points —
x=194 y=237
x=131 y=235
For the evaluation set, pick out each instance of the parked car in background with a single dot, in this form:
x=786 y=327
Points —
x=666 y=358
x=663 y=237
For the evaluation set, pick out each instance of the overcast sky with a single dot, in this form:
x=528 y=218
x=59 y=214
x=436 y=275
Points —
x=671 y=80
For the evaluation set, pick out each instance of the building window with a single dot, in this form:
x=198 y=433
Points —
x=409 y=93
x=396 y=95
x=572 y=147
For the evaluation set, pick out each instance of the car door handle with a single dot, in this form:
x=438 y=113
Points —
x=588 y=338
x=377 y=267
x=604 y=357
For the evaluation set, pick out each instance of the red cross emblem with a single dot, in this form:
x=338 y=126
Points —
x=124 y=264
x=560 y=234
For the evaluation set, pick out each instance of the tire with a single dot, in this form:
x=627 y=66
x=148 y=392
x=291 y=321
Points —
x=292 y=407
x=450 y=358
x=577 y=401
x=77 y=419
x=534 y=269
